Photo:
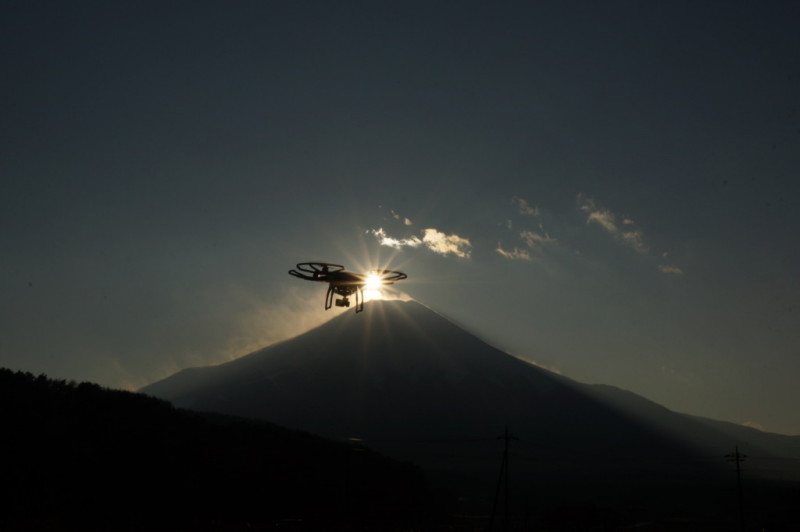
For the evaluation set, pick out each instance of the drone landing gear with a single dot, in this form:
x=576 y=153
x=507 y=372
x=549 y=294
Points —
x=344 y=283
x=345 y=292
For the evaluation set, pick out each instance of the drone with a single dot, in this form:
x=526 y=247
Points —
x=344 y=283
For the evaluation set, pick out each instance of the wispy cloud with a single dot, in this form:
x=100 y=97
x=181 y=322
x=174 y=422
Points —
x=444 y=244
x=405 y=221
x=608 y=221
x=629 y=236
x=635 y=239
x=514 y=254
x=396 y=243
x=433 y=239
x=671 y=270
x=603 y=217
x=525 y=208
x=536 y=240
x=532 y=240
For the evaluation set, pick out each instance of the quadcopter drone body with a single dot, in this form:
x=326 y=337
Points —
x=344 y=283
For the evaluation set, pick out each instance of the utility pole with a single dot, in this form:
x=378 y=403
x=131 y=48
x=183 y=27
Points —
x=502 y=481
x=738 y=458
x=350 y=479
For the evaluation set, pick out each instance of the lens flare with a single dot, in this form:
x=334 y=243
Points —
x=374 y=281
x=372 y=288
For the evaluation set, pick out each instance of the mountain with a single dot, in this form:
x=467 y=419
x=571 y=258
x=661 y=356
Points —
x=80 y=457
x=410 y=383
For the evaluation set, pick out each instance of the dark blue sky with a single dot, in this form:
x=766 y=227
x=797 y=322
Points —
x=607 y=189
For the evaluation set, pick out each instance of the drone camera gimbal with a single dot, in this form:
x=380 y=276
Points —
x=342 y=282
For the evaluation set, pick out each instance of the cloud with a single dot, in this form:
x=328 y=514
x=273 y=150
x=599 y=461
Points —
x=635 y=239
x=670 y=270
x=443 y=244
x=395 y=243
x=536 y=240
x=608 y=221
x=630 y=236
x=405 y=221
x=514 y=254
x=525 y=207
x=433 y=239
x=603 y=217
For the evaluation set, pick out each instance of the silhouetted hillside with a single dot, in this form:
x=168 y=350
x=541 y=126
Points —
x=399 y=372
x=416 y=386
x=81 y=457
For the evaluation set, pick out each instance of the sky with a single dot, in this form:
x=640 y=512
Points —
x=607 y=189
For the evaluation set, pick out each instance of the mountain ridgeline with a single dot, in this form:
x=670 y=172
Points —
x=400 y=373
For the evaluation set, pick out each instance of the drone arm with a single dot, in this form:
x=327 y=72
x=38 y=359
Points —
x=342 y=282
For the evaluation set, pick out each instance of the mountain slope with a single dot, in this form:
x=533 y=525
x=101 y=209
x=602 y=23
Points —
x=412 y=383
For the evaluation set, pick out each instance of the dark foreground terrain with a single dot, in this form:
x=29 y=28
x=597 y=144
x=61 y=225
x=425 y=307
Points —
x=79 y=457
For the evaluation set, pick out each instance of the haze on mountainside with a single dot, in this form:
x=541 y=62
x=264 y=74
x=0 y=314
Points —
x=411 y=383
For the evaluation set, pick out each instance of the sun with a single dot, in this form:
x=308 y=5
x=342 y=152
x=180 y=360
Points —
x=372 y=288
x=374 y=281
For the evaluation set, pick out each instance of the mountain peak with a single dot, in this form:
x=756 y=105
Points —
x=352 y=373
x=400 y=372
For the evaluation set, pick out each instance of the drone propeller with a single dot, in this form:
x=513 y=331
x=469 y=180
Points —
x=388 y=276
x=318 y=270
x=342 y=282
